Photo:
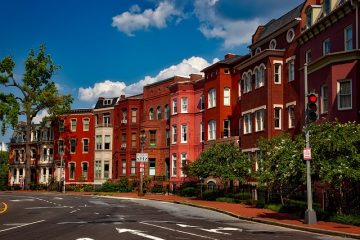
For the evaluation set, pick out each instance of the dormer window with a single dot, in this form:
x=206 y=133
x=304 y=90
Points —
x=272 y=44
x=107 y=102
x=290 y=35
x=309 y=18
x=327 y=7
x=258 y=50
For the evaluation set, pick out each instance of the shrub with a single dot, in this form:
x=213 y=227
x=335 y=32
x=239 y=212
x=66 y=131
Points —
x=227 y=199
x=274 y=207
x=158 y=189
x=188 y=192
x=346 y=219
x=210 y=195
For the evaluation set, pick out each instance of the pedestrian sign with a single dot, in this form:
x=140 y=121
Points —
x=307 y=153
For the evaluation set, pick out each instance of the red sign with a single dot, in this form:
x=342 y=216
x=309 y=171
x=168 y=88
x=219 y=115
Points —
x=307 y=153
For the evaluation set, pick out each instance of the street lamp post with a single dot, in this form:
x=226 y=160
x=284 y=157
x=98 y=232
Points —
x=142 y=142
x=62 y=170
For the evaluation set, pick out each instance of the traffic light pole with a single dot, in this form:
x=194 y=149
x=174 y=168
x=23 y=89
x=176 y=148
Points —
x=310 y=214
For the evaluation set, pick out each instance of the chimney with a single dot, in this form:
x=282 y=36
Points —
x=122 y=97
x=194 y=77
x=229 y=55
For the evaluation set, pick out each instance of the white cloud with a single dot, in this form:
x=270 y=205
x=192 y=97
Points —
x=39 y=117
x=134 y=20
x=114 y=89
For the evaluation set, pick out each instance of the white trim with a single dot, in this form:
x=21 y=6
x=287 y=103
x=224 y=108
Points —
x=292 y=58
x=278 y=106
x=250 y=150
x=253 y=110
x=272 y=42
x=293 y=103
x=338 y=97
x=288 y=39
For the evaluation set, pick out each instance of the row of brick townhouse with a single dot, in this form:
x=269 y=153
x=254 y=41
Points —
x=240 y=99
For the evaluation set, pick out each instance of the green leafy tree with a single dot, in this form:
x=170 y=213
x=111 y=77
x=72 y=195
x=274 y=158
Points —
x=336 y=154
x=281 y=166
x=34 y=93
x=224 y=161
x=4 y=170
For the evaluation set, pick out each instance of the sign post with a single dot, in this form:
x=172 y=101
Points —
x=142 y=158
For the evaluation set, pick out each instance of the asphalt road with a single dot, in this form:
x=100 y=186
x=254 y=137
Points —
x=56 y=216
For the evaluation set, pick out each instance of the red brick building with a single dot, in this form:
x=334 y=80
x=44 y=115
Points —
x=74 y=146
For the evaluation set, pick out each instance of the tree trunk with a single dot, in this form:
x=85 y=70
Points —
x=27 y=179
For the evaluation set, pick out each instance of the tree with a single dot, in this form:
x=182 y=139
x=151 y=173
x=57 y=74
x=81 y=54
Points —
x=4 y=169
x=281 y=164
x=224 y=161
x=336 y=155
x=34 y=93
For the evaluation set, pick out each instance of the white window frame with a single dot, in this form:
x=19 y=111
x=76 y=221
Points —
x=277 y=73
x=326 y=46
x=339 y=95
x=272 y=44
x=348 y=41
x=226 y=96
x=278 y=108
x=202 y=132
x=291 y=70
x=72 y=175
x=133 y=115
x=259 y=120
x=74 y=141
x=174 y=134
x=151 y=114
x=308 y=56
x=202 y=103
x=73 y=127
x=247 y=123
x=183 y=163
x=291 y=116
x=228 y=128
x=184 y=133
x=290 y=35
x=324 y=99
x=184 y=105
x=88 y=143
x=86 y=124
x=107 y=137
x=87 y=169
x=211 y=130
x=212 y=98
x=173 y=165
x=174 y=106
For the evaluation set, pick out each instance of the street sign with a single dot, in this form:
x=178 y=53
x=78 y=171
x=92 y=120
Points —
x=307 y=153
x=142 y=157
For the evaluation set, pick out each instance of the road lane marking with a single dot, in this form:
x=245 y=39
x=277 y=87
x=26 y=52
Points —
x=24 y=225
x=219 y=229
x=22 y=200
x=75 y=210
x=81 y=222
x=174 y=230
x=4 y=208
x=138 y=233
x=29 y=208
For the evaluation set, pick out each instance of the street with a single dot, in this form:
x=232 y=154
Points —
x=56 y=216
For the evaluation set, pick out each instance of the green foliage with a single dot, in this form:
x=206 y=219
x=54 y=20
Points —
x=211 y=195
x=346 y=219
x=188 y=192
x=281 y=164
x=336 y=152
x=158 y=189
x=4 y=169
x=224 y=161
x=122 y=185
x=274 y=207
x=227 y=199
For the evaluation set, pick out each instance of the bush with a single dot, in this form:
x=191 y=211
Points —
x=188 y=192
x=346 y=219
x=158 y=189
x=227 y=199
x=274 y=207
x=121 y=185
x=210 y=195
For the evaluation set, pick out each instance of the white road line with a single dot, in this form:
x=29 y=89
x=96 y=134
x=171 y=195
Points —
x=24 y=225
x=44 y=207
x=81 y=222
x=174 y=230
x=138 y=233
x=22 y=200
x=75 y=210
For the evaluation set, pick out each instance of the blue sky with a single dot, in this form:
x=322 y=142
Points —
x=113 y=47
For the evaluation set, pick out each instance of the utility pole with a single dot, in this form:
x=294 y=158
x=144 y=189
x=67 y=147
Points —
x=310 y=214
x=142 y=158
x=62 y=170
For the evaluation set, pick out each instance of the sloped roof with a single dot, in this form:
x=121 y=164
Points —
x=100 y=102
x=276 y=24
x=228 y=61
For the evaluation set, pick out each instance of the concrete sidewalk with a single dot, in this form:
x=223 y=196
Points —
x=250 y=213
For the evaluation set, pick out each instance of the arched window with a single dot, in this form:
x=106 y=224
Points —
x=159 y=113
x=272 y=44
x=212 y=130
x=261 y=76
x=167 y=112
x=151 y=114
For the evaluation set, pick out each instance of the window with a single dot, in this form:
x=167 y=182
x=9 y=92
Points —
x=212 y=98
x=98 y=142
x=327 y=7
x=324 y=99
x=183 y=164
x=247 y=82
x=184 y=104
x=226 y=96
x=73 y=125
x=239 y=89
x=107 y=142
x=174 y=106
x=152 y=140
x=151 y=114
x=84 y=170
x=258 y=50
x=123 y=167
x=98 y=169
x=277 y=73
x=133 y=115
x=247 y=123
x=260 y=77
x=158 y=113
x=326 y=46
x=133 y=167
x=277 y=118
x=106 y=119
x=107 y=102
x=344 y=95
x=272 y=44
x=61 y=125
x=33 y=152
x=133 y=140
x=226 y=71
x=86 y=124
x=85 y=145
x=309 y=18
x=184 y=133
x=202 y=132
x=291 y=112
x=259 y=120
x=348 y=37
x=167 y=112
x=72 y=145
x=152 y=166
x=291 y=70
x=174 y=134
x=123 y=140
x=212 y=130
x=290 y=35
x=61 y=147
x=167 y=137
x=72 y=171
x=106 y=170
x=124 y=116
x=226 y=128
x=202 y=103
x=308 y=56
x=173 y=165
